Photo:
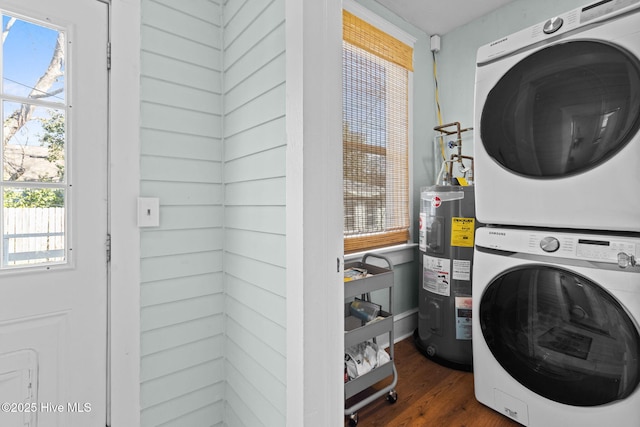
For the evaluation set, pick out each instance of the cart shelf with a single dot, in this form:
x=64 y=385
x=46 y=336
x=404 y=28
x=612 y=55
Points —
x=358 y=331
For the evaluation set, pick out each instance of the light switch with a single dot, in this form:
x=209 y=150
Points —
x=148 y=212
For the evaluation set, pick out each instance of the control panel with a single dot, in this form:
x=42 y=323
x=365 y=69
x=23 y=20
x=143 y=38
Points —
x=599 y=11
x=603 y=8
x=603 y=250
x=623 y=251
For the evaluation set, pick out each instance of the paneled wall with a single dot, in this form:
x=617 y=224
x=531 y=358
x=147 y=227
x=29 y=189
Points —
x=254 y=239
x=182 y=290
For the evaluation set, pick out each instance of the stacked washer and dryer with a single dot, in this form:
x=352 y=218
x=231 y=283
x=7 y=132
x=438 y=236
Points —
x=556 y=290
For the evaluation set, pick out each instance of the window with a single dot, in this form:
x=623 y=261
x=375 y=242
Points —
x=375 y=131
x=34 y=170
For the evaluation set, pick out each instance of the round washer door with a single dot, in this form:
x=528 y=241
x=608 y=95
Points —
x=563 y=110
x=561 y=336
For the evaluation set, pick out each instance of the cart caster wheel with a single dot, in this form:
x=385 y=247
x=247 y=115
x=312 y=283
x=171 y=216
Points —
x=353 y=420
x=392 y=397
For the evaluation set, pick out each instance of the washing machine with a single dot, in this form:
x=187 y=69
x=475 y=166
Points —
x=556 y=326
x=557 y=120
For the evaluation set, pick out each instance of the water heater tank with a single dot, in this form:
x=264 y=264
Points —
x=447 y=230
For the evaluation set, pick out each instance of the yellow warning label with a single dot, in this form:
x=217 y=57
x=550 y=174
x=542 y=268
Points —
x=462 y=231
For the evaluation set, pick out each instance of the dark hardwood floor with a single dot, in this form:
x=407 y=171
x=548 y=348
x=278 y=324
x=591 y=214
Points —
x=428 y=395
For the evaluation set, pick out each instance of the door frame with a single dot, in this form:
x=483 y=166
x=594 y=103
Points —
x=314 y=226
x=124 y=188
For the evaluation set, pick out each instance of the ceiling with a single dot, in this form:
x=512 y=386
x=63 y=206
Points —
x=438 y=16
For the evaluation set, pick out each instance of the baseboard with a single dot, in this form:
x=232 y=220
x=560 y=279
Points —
x=403 y=326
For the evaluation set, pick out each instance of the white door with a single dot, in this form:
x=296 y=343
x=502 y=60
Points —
x=53 y=266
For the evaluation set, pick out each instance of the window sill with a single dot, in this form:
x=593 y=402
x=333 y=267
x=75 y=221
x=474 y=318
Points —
x=398 y=254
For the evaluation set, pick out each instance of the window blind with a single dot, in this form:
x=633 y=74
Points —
x=376 y=69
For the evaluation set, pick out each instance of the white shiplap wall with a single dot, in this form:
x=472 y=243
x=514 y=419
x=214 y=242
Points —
x=182 y=291
x=213 y=274
x=254 y=241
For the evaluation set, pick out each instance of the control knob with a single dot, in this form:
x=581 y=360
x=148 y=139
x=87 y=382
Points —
x=552 y=25
x=625 y=260
x=549 y=244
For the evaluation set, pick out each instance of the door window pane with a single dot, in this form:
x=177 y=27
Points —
x=34 y=144
x=34 y=225
x=563 y=110
x=33 y=60
x=561 y=336
x=34 y=148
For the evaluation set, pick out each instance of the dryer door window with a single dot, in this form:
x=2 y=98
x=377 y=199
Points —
x=563 y=110
x=561 y=336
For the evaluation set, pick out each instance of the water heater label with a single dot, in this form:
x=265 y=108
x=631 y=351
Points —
x=461 y=269
x=436 y=275
x=422 y=240
x=463 y=318
x=462 y=230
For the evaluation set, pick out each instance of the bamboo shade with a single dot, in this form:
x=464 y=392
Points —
x=376 y=70
x=360 y=33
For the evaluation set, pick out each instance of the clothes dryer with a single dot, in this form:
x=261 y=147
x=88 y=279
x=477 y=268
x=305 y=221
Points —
x=557 y=121
x=555 y=316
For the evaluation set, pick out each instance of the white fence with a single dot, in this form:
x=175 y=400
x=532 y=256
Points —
x=33 y=235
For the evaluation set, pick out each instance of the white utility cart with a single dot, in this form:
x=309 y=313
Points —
x=358 y=331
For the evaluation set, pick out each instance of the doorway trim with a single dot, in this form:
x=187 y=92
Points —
x=124 y=184
x=314 y=235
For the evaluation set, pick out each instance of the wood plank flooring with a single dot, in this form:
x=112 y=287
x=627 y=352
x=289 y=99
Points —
x=428 y=395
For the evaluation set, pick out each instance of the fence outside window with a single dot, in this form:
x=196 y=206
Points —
x=33 y=236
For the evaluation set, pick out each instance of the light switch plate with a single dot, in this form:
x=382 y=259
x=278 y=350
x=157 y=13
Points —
x=148 y=212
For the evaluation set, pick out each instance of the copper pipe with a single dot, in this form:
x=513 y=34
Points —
x=458 y=131
x=460 y=157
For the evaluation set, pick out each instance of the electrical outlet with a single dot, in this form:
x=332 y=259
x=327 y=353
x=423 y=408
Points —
x=435 y=43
